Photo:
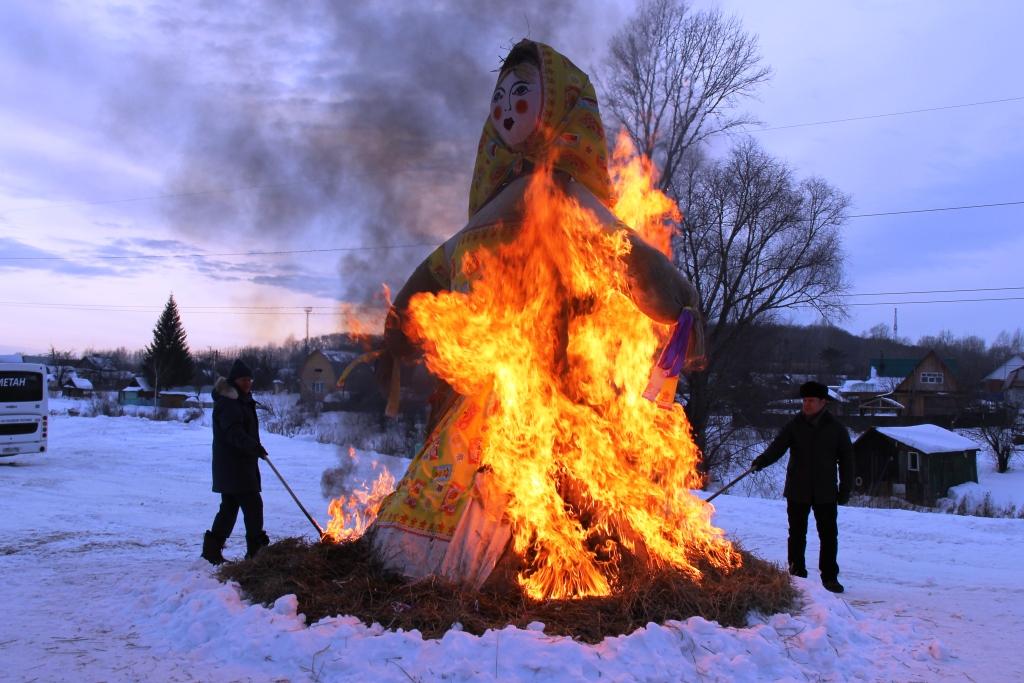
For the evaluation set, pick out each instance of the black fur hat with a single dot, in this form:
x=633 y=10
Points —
x=813 y=390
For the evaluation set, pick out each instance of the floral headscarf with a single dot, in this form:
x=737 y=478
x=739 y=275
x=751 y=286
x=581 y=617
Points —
x=570 y=134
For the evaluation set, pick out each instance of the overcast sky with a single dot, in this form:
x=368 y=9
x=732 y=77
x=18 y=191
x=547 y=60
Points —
x=188 y=133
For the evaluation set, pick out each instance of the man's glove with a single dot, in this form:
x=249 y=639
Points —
x=843 y=498
x=756 y=466
x=263 y=452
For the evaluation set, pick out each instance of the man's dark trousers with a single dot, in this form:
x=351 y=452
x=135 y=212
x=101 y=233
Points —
x=825 y=518
x=251 y=504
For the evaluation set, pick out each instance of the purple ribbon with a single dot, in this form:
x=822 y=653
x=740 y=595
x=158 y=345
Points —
x=673 y=357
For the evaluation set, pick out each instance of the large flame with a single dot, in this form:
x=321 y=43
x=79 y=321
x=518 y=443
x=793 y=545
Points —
x=549 y=335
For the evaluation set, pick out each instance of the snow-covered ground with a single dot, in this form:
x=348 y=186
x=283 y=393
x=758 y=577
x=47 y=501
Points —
x=99 y=543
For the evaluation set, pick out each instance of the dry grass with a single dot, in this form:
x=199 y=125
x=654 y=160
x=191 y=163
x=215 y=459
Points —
x=346 y=579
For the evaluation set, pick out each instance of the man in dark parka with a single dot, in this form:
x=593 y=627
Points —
x=236 y=470
x=818 y=445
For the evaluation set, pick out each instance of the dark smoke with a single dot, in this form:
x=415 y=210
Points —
x=349 y=124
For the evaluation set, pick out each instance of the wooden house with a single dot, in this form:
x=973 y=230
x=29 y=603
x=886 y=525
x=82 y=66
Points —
x=100 y=371
x=137 y=392
x=76 y=387
x=929 y=389
x=318 y=379
x=995 y=381
x=319 y=374
x=918 y=463
x=1013 y=388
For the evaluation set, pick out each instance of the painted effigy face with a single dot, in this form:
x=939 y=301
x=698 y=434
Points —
x=515 y=104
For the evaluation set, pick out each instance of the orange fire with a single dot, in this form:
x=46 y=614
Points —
x=549 y=333
x=351 y=516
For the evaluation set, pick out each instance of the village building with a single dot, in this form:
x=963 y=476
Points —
x=100 y=371
x=137 y=392
x=76 y=387
x=318 y=383
x=869 y=396
x=918 y=463
x=318 y=377
x=995 y=381
x=1013 y=388
x=925 y=387
x=930 y=389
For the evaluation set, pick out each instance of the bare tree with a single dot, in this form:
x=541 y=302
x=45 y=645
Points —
x=1000 y=434
x=755 y=242
x=62 y=363
x=674 y=77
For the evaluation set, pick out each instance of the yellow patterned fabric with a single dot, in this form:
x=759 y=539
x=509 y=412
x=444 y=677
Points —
x=570 y=135
x=432 y=496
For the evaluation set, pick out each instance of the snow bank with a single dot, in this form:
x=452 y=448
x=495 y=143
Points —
x=190 y=612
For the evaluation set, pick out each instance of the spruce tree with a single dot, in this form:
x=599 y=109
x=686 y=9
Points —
x=167 y=362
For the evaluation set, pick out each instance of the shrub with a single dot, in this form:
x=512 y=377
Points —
x=102 y=405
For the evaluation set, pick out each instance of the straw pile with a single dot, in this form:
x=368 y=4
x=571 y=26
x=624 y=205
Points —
x=347 y=579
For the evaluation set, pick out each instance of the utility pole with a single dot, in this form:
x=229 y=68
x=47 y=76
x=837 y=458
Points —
x=309 y=309
x=895 y=325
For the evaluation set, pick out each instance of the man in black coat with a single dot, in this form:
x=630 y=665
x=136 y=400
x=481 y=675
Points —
x=818 y=445
x=236 y=470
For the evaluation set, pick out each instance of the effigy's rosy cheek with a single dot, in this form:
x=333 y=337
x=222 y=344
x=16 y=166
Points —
x=497 y=113
x=522 y=106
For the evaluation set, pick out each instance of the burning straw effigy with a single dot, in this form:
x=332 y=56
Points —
x=554 y=482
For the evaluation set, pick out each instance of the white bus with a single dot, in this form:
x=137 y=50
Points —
x=24 y=408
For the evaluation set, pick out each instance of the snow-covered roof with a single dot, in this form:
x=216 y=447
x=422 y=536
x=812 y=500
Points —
x=929 y=438
x=1004 y=370
x=872 y=385
x=78 y=382
x=140 y=382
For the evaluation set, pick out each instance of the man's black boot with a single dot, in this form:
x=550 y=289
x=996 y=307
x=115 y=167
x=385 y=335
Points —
x=212 y=545
x=832 y=585
x=254 y=543
x=797 y=571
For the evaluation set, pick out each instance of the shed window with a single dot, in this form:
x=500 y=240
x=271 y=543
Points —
x=913 y=463
x=932 y=378
x=318 y=387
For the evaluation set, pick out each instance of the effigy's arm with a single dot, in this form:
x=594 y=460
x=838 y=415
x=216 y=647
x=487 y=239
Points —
x=426 y=278
x=399 y=349
x=664 y=295
x=658 y=289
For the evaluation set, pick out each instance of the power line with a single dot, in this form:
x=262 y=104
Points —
x=218 y=310
x=889 y=114
x=419 y=245
x=280 y=252
x=935 y=301
x=936 y=291
x=943 y=208
x=296 y=310
x=435 y=168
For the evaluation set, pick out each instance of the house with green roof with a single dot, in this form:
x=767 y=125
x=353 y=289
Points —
x=926 y=387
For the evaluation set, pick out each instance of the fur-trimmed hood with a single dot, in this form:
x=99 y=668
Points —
x=225 y=388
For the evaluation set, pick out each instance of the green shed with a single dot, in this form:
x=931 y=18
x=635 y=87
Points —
x=918 y=463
